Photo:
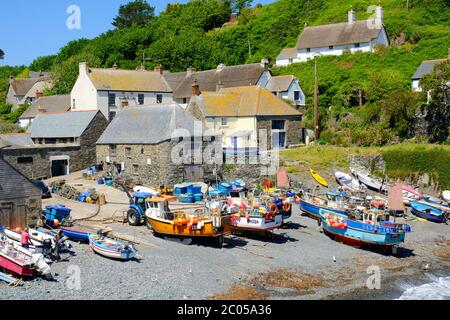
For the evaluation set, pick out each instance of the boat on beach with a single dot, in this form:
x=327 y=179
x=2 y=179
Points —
x=311 y=205
x=318 y=178
x=111 y=248
x=409 y=193
x=374 y=230
x=428 y=211
x=76 y=234
x=348 y=182
x=370 y=182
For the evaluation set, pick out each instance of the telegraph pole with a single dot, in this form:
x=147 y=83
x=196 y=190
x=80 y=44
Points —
x=316 y=103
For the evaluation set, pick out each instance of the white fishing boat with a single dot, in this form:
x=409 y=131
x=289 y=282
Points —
x=446 y=195
x=37 y=239
x=111 y=248
x=367 y=180
x=348 y=182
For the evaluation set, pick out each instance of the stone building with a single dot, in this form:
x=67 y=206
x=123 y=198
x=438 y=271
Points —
x=20 y=199
x=56 y=145
x=27 y=90
x=157 y=145
x=43 y=106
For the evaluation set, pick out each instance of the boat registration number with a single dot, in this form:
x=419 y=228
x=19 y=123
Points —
x=394 y=236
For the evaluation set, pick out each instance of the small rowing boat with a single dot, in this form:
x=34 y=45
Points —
x=111 y=248
x=368 y=181
x=428 y=211
x=348 y=182
x=409 y=193
x=76 y=235
x=318 y=178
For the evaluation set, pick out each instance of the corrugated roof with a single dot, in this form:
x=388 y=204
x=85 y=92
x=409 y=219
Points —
x=63 y=125
x=280 y=83
x=51 y=104
x=17 y=139
x=15 y=185
x=246 y=101
x=338 y=34
x=426 y=67
x=289 y=53
x=148 y=125
x=128 y=80
x=229 y=76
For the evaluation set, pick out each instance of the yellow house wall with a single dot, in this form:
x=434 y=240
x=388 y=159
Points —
x=233 y=126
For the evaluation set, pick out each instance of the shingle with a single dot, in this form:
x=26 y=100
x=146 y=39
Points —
x=15 y=185
x=338 y=34
x=426 y=67
x=148 y=125
x=51 y=104
x=64 y=125
x=128 y=80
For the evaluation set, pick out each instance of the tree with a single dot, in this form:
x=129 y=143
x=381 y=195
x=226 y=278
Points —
x=240 y=5
x=437 y=83
x=2 y=54
x=137 y=12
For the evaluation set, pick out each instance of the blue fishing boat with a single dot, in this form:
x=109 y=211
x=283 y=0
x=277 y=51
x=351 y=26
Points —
x=76 y=235
x=312 y=205
x=428 y=211
x=374 y=230
x=111 y=248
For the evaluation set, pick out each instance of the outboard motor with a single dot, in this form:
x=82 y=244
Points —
x=47 y=248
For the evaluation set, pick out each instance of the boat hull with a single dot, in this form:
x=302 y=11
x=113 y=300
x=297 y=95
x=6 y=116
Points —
x=15 y=268
x=111 y=252
x=256 y=224
x=166 y=227
x=438 y=218
x=76 y=235
x=314 y=210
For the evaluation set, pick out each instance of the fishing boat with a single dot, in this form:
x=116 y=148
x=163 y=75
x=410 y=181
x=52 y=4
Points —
x=111 y=248
x=348 y=182
x=428 y=211
x=368 y=181
x=186 y=227
x=76 y=235
x=434 y=200
x=318 y=178
x=311 y=205
x=37 y=238
x=409 y=193
x=374 y=230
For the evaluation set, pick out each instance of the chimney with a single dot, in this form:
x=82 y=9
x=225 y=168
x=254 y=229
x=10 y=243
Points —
x=219 y=86
x=84 y=69
x=190 y=71
x=11 y=79
x=41 y=109
x=115 y=66
x=265 y=64
x=351 y=16
x=195 y=88
x=220 y=67
x=39 y=94
x=159 y=69
x=379 y=17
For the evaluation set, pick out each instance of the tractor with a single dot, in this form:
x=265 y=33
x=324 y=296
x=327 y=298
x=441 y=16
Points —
x=138 y=206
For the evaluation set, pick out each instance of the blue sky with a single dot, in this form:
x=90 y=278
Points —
x=29 y=28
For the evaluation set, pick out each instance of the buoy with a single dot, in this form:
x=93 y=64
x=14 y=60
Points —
x=56 y=223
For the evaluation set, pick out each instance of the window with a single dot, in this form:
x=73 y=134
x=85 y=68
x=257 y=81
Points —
x=112 y=149
x=135 y=169
x=112 y=115
x=331 y=47
x=184 y=100
x=308 y=49
x=141 y=99
x=111 y=99
x=291 y=60
x=74 y=106
x=25 y=160
x=50 y=141
x=224 y=121
x=159 y=98
x=357 y=45
x=296 y=95
x=128 y=151
x=142 y=150
x=278 y=124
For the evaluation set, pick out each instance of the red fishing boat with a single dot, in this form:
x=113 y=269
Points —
x=15 y=261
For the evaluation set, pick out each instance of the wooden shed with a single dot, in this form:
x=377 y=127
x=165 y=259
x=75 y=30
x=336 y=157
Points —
x=20 y=199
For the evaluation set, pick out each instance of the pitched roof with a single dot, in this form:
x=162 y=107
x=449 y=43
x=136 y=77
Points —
x=15 y=185
x=289 y=53
x=229 y=76
x=426 y=67
x=34 y=74
x=249 y=101
x=128 y=80
x=338 y=34
x=280 y=83
x=39 y=86
x=63 y=125
x=148 y=125
x=51 y=104
x=16 y=139
x=21 y=86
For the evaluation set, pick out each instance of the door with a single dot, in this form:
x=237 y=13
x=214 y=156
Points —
x=60 y=168
x=235 y=143
x=13 y=216
x=279 y=140
x=6 y=210
x=193 y=173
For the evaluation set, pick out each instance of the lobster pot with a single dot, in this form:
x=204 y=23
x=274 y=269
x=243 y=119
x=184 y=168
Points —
x=217 y=221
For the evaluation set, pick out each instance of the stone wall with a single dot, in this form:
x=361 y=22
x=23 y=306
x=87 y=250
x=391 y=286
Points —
x=292 y=128
x=31 y=206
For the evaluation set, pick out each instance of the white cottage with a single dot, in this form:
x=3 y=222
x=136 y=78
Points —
x=335 y=39
x=111 y=90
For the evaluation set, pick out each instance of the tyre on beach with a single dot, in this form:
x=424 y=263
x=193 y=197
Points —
x=133 y=217
x=219 y=241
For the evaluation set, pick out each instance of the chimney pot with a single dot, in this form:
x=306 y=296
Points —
x=159 y=69
x=195 y=88
x=220 y=67
x=379 y=16
x=115 y=66
x=190 y=71
x=265 y=64
x=39 y=94
x=351 y=16
x=84 y=68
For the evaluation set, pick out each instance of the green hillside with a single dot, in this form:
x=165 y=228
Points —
x=192 y=35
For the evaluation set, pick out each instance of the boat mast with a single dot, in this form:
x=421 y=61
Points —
x=316 y=103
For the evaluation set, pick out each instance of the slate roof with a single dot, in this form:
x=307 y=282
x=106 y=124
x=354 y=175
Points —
x=249 y=101
x=148 y=125
x=229 y=76
x=63 y=125
x=16 y=139
x=46 y=105
x=338 y=34
x=128 y=80
x=289 y=53
x=15 y=185
x=426 y=67
x=280 y=83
